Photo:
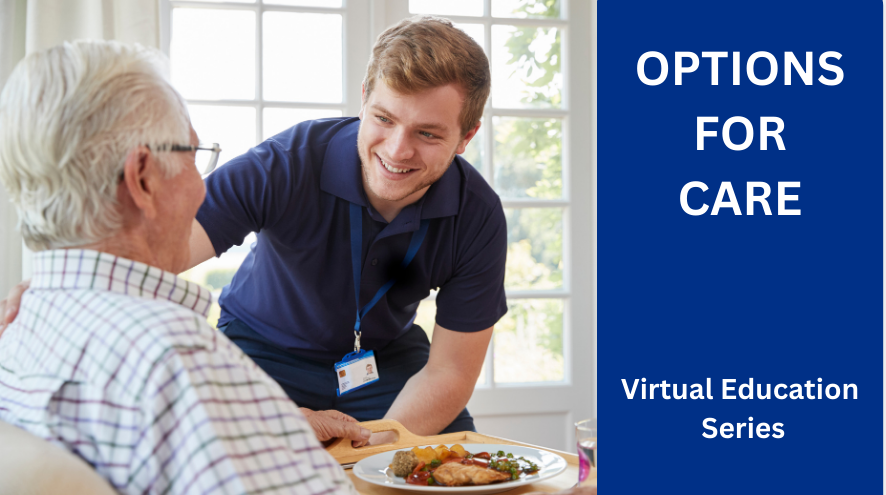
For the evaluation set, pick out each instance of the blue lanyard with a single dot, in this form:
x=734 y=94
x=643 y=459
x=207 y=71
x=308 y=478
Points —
x=356 y=254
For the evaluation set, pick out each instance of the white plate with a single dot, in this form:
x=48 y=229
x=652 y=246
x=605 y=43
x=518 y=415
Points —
x=375 y=469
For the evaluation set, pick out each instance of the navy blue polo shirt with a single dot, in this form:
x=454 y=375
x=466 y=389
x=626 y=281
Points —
x=296 y=285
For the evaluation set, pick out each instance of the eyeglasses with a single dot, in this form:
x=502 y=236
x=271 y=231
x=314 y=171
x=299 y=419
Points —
x=208 y=156
x=205 y=160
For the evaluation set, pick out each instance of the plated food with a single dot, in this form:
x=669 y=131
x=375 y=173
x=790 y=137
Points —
x=379 y=469
x=444 y=466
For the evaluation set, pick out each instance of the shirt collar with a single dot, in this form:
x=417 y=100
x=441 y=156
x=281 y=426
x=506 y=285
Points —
x=443 y=197
x=86 y=269
x=342 y=176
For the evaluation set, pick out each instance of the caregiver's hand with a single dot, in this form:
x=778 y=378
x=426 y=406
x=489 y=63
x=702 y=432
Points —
x=9 y=306
x=329 y=425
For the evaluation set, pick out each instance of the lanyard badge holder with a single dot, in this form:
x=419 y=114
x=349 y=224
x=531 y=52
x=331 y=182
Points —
x=358 y=369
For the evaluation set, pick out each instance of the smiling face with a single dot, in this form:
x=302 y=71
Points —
x=407 y=142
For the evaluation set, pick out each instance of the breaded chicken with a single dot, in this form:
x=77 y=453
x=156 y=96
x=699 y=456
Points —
x=457 y=474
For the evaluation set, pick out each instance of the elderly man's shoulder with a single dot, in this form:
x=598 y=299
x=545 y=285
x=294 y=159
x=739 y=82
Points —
x=113 y=342
x=144 y=341
x=157 y=325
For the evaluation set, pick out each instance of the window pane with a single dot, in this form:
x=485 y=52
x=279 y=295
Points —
x=528 y=342
x=474 y=151
x=449 y=7
x=302 y=57
x=306 y=3
x=535 y=248
x=481 y=380
x=276 y=120
x=528 y=157
x=475 y=31
x=426 y=317
x=216 y=273
x=233 y=128
x=212 y=53
x=226 y=1
x=537 y=9
x=526 y=67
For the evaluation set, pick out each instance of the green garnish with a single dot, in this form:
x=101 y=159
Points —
x=435 y=463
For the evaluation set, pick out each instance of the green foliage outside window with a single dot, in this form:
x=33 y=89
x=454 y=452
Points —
x=529 y=152
x=217 y=279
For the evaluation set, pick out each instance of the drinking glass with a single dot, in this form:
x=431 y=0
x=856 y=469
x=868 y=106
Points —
x=586 y=436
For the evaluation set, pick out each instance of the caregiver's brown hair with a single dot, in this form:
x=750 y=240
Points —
x=425 y=52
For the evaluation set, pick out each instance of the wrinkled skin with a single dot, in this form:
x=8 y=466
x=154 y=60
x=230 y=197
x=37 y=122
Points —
x=329 y=425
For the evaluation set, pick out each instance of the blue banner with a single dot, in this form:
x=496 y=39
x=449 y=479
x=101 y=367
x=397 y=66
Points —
x=740 y=246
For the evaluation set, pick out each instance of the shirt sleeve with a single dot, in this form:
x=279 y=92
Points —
x=247 y=194
x=474 y=298
x=215 y=424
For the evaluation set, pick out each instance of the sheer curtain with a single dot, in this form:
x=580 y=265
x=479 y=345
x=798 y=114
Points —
x=12 y=49
x=50 y=22
x=31 y=25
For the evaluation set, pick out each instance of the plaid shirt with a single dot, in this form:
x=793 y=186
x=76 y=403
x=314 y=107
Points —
x=114 y=360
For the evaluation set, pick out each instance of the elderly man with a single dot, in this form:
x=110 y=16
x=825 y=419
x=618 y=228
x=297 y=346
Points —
x=111 y=356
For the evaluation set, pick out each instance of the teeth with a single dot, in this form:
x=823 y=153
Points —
x=394 y=170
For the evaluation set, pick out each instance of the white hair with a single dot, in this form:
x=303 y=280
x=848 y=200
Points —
x=68 y=118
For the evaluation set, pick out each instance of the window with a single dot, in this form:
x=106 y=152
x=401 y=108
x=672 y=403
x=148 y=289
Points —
x=520 y=153
x=218 y=53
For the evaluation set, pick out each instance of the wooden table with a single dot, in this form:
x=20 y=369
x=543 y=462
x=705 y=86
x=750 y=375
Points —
x=345 y=454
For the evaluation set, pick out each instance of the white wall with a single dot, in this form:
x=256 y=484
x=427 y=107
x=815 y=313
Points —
x=12 y=49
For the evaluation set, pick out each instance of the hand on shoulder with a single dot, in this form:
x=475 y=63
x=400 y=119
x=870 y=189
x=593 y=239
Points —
x=9 y=306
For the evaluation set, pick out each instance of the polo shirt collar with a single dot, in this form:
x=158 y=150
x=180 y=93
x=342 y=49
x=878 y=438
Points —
x=342 y=176
x=443 y=197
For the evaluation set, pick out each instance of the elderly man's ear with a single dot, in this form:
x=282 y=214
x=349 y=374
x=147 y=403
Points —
x=141 y=180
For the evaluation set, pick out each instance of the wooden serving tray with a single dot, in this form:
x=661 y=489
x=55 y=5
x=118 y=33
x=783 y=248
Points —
x=344 y=453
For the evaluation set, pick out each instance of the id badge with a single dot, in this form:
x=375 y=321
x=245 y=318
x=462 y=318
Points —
x=355 y=371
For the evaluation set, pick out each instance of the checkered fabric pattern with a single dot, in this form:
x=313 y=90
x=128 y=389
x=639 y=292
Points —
x=114 y=360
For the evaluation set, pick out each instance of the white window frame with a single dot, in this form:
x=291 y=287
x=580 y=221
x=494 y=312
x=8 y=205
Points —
x=355 y=41
x=488 y=138
x=355 y=38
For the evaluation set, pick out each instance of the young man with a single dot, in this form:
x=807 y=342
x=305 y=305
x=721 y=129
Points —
x=368 y=202
x=111 y=356
x=381 y=203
